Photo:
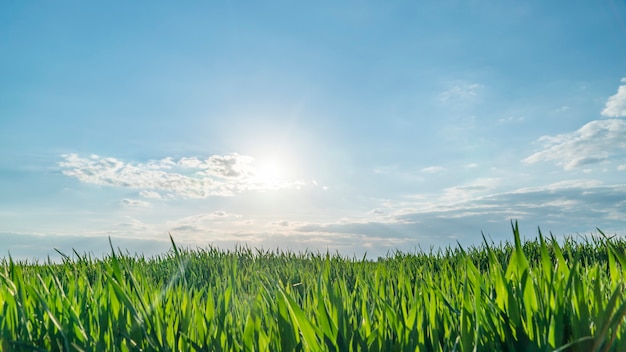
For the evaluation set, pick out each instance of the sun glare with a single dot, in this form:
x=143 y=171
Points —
x=271 y=173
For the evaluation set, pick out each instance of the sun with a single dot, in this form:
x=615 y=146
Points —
x=271 y=173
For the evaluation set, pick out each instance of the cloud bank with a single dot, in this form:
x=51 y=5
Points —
x=429 y=222
x=440 y=223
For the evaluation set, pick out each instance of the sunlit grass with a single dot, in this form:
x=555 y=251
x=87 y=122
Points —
x=521 y=296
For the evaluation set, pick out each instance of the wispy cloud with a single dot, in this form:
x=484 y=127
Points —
x=134 y=203
x=218 y=175
x=461 y=91
x=432 y=169
x=616 y=105
x=205 y=222
x=471 y=189
x=512 y=119
x=563 y=108
x=150 y=194
x=595 y=142
x=377 y=211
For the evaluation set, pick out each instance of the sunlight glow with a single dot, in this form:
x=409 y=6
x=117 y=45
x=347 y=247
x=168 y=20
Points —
x=271 y=173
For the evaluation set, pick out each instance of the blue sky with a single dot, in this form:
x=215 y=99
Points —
x=351 y=127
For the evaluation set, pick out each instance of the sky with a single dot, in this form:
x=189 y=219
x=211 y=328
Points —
x=351 y=127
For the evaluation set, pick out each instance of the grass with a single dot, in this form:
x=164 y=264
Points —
x=538 y=295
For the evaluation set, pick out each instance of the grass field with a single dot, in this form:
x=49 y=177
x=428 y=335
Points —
x=538 y=295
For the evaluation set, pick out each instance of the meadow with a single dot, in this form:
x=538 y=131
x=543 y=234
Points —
x=532 y=295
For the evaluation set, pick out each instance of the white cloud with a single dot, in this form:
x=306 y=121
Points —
x=230 y=166
x=432 y=169
x=563 y=108
x=221 y=214
x=461 y=91
x=187 y=178
x=621 y=167
x=206 y=222
x=616 y=105
x=469 y=190
x=561 y=185
x=150 y=194
x=134 y=203
x=189 y=162
x=377 y=211
x=595 y=142
x=512 y=119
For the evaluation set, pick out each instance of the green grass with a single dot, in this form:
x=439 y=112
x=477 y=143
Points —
x=533 y=296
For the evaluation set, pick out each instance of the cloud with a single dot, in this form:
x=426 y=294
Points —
x=150 y=194
x=595 y=142
x=563 y=108
x=616 y=105
x=230 y=166
x=377 y=211
x=439 y=221
x=221 y=214
x=432 y=169
x=134 y=203
x=206 y=222
x=568 y=207
x=283 y=223
x=461 y=91
x=470 y=190
x=217 y=175
x=368 y=229
x=512 y=119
